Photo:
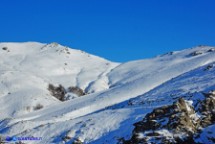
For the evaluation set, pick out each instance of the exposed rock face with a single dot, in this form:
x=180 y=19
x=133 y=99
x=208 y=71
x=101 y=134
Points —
x=207 y=109
x=176 y=123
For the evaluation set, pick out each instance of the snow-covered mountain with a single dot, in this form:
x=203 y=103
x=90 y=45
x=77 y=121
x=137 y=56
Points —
x=114 y=96
x=28 y=68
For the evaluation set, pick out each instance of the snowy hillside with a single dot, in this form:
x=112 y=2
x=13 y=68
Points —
x=28 y=68
x=116 y=95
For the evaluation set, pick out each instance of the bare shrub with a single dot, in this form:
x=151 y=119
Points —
x=4 y=48
x=76 y=90
x=38 y=107
x=58 y=92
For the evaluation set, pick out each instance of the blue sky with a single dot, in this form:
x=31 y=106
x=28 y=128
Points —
x=119 y=30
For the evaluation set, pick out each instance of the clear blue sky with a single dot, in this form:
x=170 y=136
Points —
x=119 y=30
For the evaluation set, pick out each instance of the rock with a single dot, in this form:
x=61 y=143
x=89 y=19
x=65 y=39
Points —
x=210 y=66
x=178 y=120
x=196 y=53
x=77 y=141
x=211 y=50
x=66 y=138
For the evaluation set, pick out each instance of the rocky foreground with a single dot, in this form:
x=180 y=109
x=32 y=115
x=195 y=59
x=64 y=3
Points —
x=178 y=123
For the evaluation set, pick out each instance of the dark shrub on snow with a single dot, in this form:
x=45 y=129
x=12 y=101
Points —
x=57 y=91
x=76 y=90
x=38 y=106
x=4 y=48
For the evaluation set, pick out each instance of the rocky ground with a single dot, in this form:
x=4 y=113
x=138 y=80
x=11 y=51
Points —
x=181 y=122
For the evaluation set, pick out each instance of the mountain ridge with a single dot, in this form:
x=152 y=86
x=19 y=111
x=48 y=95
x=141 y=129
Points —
x=121 y=93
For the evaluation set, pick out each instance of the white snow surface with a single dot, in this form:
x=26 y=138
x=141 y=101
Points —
x=119 y=94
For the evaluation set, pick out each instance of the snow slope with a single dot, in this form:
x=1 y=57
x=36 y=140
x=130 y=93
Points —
x=121 y=94
x=27 y=69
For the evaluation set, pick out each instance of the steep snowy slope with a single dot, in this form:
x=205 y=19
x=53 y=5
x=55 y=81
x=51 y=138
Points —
x=26 y=69
x=107 y=116
x=142 y=80
x=179 y=120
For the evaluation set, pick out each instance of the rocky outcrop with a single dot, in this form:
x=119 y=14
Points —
x=176 y=123
x=207 y=109
x=196 y=53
